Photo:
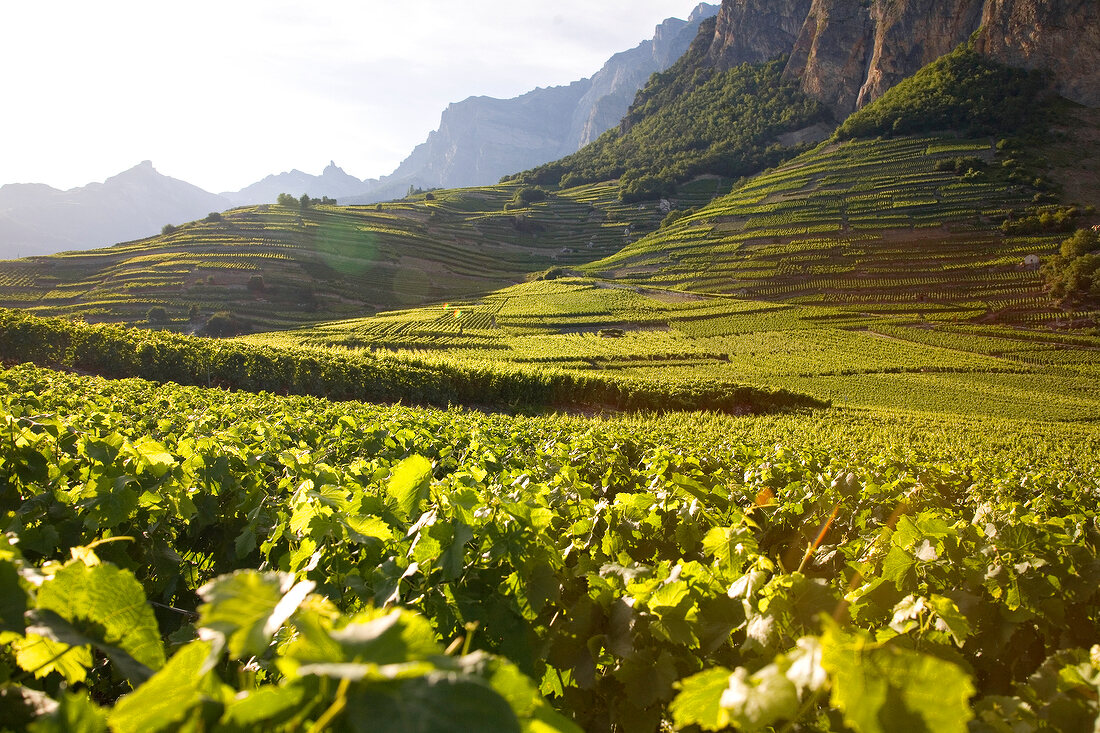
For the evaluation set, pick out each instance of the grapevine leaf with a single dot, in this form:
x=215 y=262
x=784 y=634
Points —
x=154 y=455
x=49 y=625
x=898 y=567
x=756 y=701
x=951 y=618
x=248 y=607
x=534 y=713
x=728 y=546
x=806 y=671
x=882 y=688
x=700 y=700
x=441 y=702
x=396 y=637
x=409 y=483
x=365 y=528
x=75 y=713
x=264 y=705
x=107 y=605
x=43 y=655
x=170 y=695
x=13 y=600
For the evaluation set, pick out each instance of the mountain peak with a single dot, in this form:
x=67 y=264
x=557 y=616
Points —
x=702 y=12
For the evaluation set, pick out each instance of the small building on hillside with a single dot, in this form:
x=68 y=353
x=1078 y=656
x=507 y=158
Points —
x=1031 y=261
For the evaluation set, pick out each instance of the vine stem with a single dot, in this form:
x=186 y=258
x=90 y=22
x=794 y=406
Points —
x=334 y=709
x=820 y=537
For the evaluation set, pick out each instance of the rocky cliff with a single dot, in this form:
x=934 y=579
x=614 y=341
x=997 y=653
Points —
x=481 y=139
x=847 y=53
x=754 y=31
x=1061 y=36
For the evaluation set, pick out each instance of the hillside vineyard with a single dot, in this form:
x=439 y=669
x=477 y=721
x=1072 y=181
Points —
x=772 y=408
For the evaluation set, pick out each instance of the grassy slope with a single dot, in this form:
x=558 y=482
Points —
x=330 y=262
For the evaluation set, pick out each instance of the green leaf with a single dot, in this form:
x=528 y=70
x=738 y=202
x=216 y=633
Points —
x=107 y=605
x=42 y=655
x=882 y=688
x=266 y=704
x=757 y=701
x=898 y=567
x=49 y=625
x=170 y=695
x=409 y=483
x=75 y=713
x=154 y=456
x=399 y=636
x=13 y=599
x=951 y=618
x=441 y=702
x=365 y=528
x=700 y=700
x=248 y=607
x=729 y=546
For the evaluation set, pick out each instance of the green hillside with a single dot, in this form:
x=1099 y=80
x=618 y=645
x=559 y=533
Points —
x=692 y=120
x=331 y=261
x=913 y=225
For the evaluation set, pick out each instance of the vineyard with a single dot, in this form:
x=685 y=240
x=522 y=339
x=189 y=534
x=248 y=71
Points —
x=808 y=451
x=885 y=360
x=292 y=563
x=329 y=261
x=862 y=225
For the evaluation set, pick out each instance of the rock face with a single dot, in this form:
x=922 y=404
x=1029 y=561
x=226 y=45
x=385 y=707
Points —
x=832 y=52
x=847 y=53
x=481 y=139
x=755 y=31
x=38 y=219
x=1061 y=36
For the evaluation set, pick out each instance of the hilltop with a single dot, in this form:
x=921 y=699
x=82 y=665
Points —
x=38 y=219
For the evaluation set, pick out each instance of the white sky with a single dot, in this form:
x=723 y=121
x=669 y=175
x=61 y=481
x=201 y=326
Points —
x=221 y=94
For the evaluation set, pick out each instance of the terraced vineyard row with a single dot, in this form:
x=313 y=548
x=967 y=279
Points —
x=594 y=327
x=331 y=261
x=857 y=222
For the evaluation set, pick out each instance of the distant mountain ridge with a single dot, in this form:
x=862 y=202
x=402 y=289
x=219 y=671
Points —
x=481 y=139
x=332 y=182
x=39 y=219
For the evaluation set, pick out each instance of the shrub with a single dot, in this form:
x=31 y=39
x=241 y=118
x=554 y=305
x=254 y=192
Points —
x=157 y=315
x=960 y=91
x=223 y=324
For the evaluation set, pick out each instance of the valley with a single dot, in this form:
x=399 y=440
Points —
x=773 y=408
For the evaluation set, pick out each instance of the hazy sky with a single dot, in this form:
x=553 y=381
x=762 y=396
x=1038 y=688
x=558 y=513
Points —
x=223 y=93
